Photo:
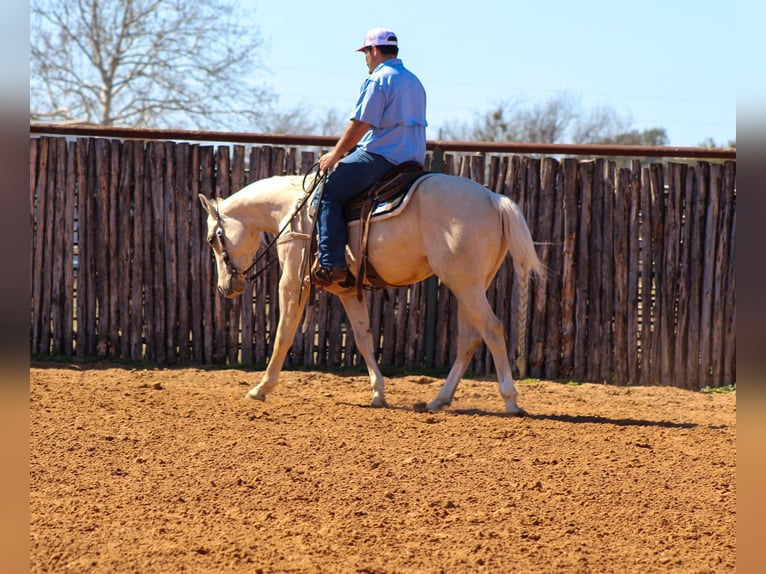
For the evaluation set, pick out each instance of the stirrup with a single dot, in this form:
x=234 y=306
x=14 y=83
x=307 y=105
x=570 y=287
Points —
x=330 y=275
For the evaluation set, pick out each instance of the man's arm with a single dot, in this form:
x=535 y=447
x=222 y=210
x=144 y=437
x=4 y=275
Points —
x=351 y=136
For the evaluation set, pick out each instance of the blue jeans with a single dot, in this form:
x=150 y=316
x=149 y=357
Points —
x=354 y=173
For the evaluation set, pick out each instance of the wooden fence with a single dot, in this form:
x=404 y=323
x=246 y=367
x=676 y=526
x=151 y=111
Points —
x=641 y=287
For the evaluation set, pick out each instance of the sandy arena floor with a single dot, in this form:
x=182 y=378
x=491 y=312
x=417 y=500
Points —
x=157 y=471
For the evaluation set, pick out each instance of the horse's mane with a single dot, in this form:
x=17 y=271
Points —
x=275 y=183
x=262 y=188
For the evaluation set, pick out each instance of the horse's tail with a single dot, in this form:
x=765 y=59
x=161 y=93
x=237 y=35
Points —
x=518 y=240
x=519 y=243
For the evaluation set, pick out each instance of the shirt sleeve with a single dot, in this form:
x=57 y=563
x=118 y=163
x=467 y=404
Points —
x=370 y=104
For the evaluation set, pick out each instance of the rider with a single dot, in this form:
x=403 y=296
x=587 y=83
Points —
x=387 y=127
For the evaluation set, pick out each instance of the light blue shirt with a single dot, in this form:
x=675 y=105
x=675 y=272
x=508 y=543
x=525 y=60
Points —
x=392 y=100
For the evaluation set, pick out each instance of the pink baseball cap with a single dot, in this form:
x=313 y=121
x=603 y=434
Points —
x=379 y=37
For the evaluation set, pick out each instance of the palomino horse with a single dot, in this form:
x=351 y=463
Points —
x=449 y=226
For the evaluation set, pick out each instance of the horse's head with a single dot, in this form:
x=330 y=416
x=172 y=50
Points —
x=233 y=245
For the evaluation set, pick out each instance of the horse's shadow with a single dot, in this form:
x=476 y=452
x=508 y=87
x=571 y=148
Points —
x=573 y=419
x=579 y=419
x=595 y=419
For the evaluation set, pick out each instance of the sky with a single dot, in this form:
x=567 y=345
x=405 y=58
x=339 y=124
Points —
x=662 y=64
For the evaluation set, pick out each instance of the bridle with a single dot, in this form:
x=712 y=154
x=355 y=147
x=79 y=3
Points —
x=221 y=235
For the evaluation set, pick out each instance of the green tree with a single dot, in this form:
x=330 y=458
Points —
x=711 y=143
x=650 y=137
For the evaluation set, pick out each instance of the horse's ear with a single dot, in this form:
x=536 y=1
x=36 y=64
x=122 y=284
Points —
x=207 y=205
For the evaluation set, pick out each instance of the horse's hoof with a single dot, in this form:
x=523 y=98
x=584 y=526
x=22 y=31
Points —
x=378 y=401
x=517 y=412
x=435 y=406
x=257 y=396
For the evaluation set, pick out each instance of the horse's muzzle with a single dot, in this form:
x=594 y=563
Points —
x=233 y=288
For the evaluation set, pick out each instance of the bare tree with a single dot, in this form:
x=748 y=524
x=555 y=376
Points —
x=548 y=121
x=599 y=125
x=560 y=119
x=499 y=124
x=514 y=121
x=153 y=63
x=332 y=123
x=302 y=120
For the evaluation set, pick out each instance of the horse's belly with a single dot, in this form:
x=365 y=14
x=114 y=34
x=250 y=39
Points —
x=398 y=259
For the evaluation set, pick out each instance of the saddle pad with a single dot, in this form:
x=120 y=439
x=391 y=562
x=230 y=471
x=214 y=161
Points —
x=390 y=195
x=390 y=204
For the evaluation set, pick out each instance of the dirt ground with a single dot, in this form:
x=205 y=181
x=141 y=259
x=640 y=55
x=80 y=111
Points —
x=158 y=470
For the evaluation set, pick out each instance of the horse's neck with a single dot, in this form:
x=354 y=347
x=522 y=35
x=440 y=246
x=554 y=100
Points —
x=262 y=206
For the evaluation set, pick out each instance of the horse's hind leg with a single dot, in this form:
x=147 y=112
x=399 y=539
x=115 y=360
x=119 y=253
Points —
x=467 y=341
x=477 y=309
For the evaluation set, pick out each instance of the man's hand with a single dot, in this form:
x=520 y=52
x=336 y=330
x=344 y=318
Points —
x=328 y=161
x=351 y=136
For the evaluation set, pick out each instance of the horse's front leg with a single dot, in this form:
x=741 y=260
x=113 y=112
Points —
x=290 y=310
x=286 y=328
x=358 y=315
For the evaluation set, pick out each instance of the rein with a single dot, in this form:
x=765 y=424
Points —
x=219 y=233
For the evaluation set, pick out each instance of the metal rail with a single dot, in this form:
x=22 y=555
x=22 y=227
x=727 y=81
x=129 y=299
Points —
x=328 y=141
